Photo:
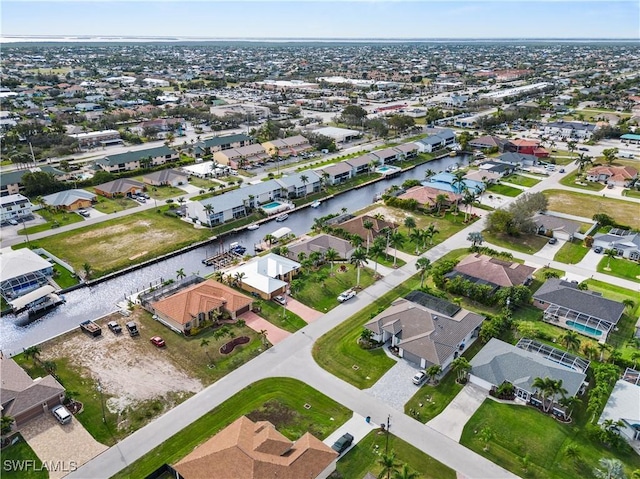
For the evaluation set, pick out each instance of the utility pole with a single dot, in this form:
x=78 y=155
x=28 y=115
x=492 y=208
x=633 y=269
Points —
x=386 y=447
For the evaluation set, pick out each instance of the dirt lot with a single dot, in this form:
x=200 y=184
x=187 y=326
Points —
x=129 y=369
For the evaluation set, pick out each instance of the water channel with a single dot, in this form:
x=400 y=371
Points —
x=96 y=301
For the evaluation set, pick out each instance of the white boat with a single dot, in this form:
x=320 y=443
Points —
x=254 y=226
x=315 y=204
x=282 y=217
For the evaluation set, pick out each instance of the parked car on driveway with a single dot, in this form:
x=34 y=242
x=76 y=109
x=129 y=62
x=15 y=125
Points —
x=62 y=414
x=280 y=299
x=597 y=249
x=419 y=378
x=343 y=443
x=553 y=241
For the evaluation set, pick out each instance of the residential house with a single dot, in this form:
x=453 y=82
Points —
x=385 y=156
x=189 y=308
x=241 y=156
x=484 y=176
x=133 y=160
x=267 y=276
x=362 y=164
x=93 y=139
x=11 y=181
x=447 y=182
x=343 y=171
x=70 y=200
x=167 y=177
x=556 y=227
x=529 y=147
x=219 y=143
x=120 y=187
x=293 y=185
x=290 y=146
x=22 y=271
x=426 y=330
x=502 y=169
x=518 y=160
x=613 y=175
x=14 y=207
x=499 y=362
x=355 y=226
x=440 y=139
x=624 y=242
x=569 y=129
x=480 y=268
x=426 y=197
x=623 y=407
x=407 y=150
x=490 y=141
x=256 y=450
x=321 y=244
x=23 y=398
x=585 y=312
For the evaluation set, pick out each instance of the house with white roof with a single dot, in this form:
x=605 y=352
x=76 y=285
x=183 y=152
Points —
x=267 y=276
x=22 y=271
x=623 y=406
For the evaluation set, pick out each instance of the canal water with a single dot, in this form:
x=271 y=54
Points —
x=96 y=301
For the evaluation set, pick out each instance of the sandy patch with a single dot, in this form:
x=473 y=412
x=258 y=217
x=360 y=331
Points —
x=129 y=369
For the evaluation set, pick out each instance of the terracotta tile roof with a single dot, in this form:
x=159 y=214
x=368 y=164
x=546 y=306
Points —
x=184 y=306
x=493 y=270
x=249 y=450
x=426 y=195
x=615 y=173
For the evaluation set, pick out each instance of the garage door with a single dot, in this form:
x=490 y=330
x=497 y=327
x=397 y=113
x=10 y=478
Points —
x=242 y=310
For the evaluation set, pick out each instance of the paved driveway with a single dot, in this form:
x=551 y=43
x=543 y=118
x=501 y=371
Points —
x=65 y=446
x=357 y=426
x=548 y=251
x=451 y=421
x=590 y=261
x=395 y=388
x=255 y=322
x=305 y=312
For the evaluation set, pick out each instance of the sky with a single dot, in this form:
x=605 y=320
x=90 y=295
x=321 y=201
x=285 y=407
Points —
x=371 y=19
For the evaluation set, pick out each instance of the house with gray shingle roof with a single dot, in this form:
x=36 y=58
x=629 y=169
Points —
x=338 y=172
x=585 y=312
x=165 y=177
x=133 y=160
x=625 y=244
x=423 y=335
x=485 y=269
x=218 y=143
x=70 y=200
x=321 y=244
x=556 y=227
x=499 y=362
x=120 y=187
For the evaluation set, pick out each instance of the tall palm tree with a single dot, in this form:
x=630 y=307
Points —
x=376 y=250
x=356 y=241
x=610 y=253
x=32 y=352
x=583 y=160
x=203 y=344
x=358 y=259
x=87 y=270
x=416 y=236
x=569 y=402
x=458 y=182
x=431 y=231
x=462 y=366
x=331 y=255
x=368 y=225
x=588 y=350
x=209 y=209
x=571 y=341
x=423 y=265
x=388 y=463
x=269 y=239
x=409 y=222
x=405 y=473
x=441 y=200
x=396 y=239
x=305 y=180
x=468 y=199
x=542 y=385
x=238 y=277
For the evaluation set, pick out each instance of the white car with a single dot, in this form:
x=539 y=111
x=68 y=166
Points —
x=62 y=414
x=280 y=299
x=346 y=295
x=419 y=378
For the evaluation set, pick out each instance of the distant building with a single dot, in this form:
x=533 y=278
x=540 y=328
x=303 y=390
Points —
x=290 y=146
x=485 y=269
x=133 y=160
x=437 y=141
x=569 y=129
x=218 y=143
x=11 y=181
x=339 y=135
x=623 y=406
x=97 y=138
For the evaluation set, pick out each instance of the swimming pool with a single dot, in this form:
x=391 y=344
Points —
x=387 y=169
x=584 y=329
x=271 y=206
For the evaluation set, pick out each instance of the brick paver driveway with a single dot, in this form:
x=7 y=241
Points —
x=255 y=322
x=305 y=312
x=64 y=446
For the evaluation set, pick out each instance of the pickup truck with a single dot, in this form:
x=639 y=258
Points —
x=91 y=328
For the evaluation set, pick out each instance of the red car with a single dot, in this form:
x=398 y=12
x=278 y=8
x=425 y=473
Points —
x=158 y=342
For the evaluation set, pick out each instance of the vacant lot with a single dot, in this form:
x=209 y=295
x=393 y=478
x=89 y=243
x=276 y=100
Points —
x=121 y=242
x=504 y=190
x=525 y=243
x=584 y=205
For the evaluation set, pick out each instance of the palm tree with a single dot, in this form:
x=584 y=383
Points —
x=302 y=256
x=32 y=352
x=462 y=366
x=269 y=239
x=305 y=180
x=588 y=350
x=356 y=241
x=87 y=270
x=396 y=239
x=6 y=424
x=583 y=160
x=358 y=259
x=433 y=371
x=628 y=303
x=368 y=225
x=409 y=222
x=635 y=355
x=379 y=216
x=209 y=209
x=423 y=265
x=602 y=347
x=263 y=337
x=569 y=402
x=610 y=469
x=476 y=238
x=458 y=182
x=468 y=199
x=416 y=236
x=50 y=367
x=431 y=231
x=203 y=344
x=572 y=452
x=180 y=274
x=441 y=200
x=181 y=200
x=610 y=253
x=331 y=255
x=543 y=385
x=571 y=341
x=388 y=463
x=405 y=473
x=375 y=251
x=429 y=173
x=238 y=277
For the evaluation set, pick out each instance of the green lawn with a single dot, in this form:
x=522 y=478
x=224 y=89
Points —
x=364 y=457
x=388 y=260
x=430 y=400
x=632 y=193
x=581 y=204
x=112 y=205
x=320 y=289
x=63 y=277
x=164 y=192
x=324 y=416
x=21 y=451
x=571 y=252
x=519 y=431
x=620 y=267
x=338 y=351
x=203 y=183
x=529 y=244
x=577 y=180
x=54 y=219
x=277 y=315
x=521 y=180
x=121 y=242
x=504 y=190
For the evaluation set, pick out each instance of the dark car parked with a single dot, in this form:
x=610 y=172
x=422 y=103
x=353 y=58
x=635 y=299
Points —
x=343 y=443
